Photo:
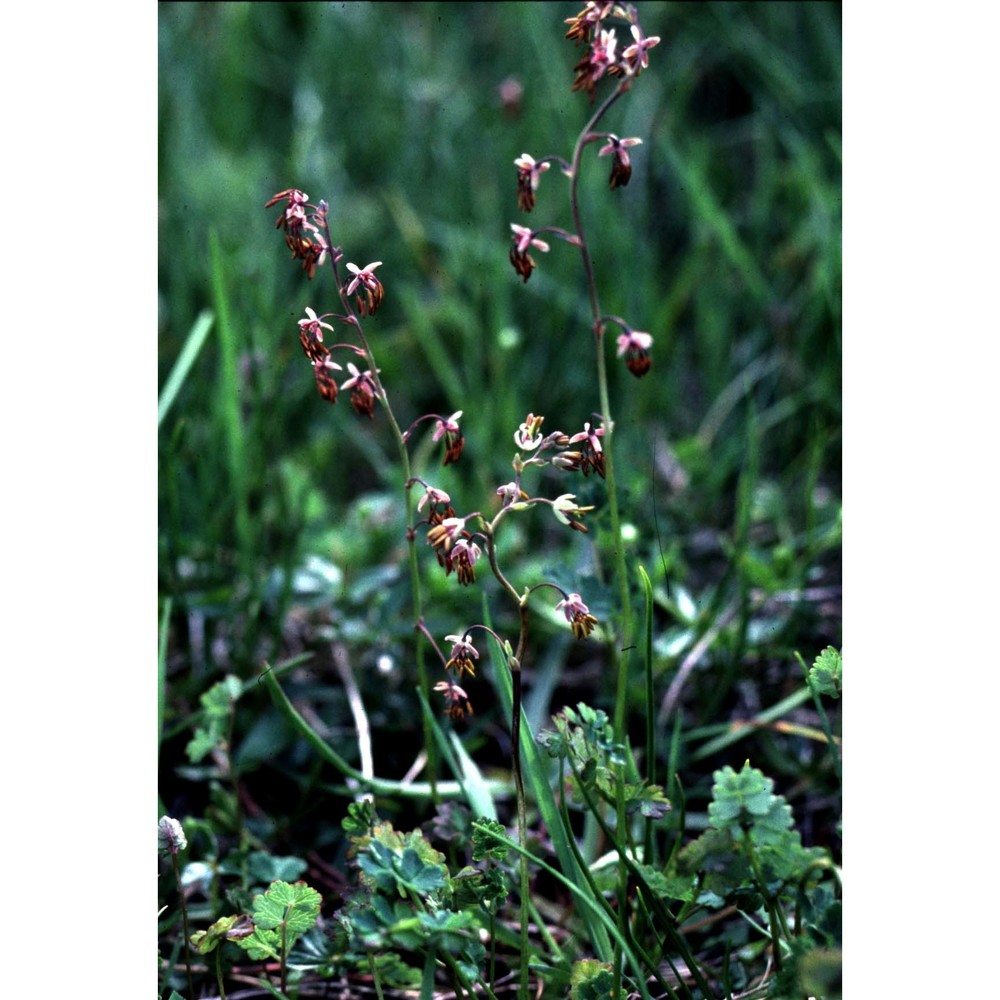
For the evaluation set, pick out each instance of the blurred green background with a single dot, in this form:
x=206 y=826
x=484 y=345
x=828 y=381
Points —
x=279 y=515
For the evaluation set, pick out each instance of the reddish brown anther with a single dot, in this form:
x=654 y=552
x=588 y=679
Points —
x=362 y=391
x=581 y=26
x=523 y=263
x=293 y=218
x=326 y=386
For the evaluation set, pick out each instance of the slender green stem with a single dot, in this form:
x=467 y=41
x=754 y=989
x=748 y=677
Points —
x=546 y=935
x=628 y=936
x=621 y=692
x=655 y=903
x=571 y=840
x=376 y=978
x=218 y=973
x=461 y=978
x=774 y=916
x=493 y=940
x=647 y=589
x=404 y=459
x=585 y=900
x=515 y=736
x=586 y=136
x=284 y=953
x=184 y=917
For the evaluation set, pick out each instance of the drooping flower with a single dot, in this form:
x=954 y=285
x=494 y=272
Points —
x=454 y=440
x=581 y=621
x=363 y=276
x=435 y=496
x=462 y=655
x=457 y=704
x=634 y=346
x=528 y=173
x=519 y=256
x=621 y=166
x=311 y=251
x=301 y=235
x=325 y=384
x=363 y=391
x=569 y=460
x=592 y=455
x=443 y=536
x=293 y=219
x=311 y=335
x=171 y=835
x=373 y=291
x=511 y=493
x=525 y=237
x=464 y=554
x=600 y=59
x=582 y=25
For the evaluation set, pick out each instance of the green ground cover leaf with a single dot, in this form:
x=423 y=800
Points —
x=292 y=908
x=485 y=844
x=825 y=673
x=216 y=712
x=746 y=799
x=231 y=928
x=593 y=980
x=752 y=846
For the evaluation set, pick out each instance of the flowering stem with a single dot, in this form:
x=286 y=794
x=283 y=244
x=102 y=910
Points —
x=621 y=692
x=515 y=737
x=585 y=137
x=430 y=747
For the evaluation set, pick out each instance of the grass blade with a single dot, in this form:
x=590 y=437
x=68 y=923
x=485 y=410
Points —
x=537 y=770
x=161 y=672
x=184 y=363
x=229 y=406
x=593 y=910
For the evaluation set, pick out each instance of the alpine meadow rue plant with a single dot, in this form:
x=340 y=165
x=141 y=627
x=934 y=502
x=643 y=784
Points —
x=470 y=642
x=546 y=470
x=460 y=541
